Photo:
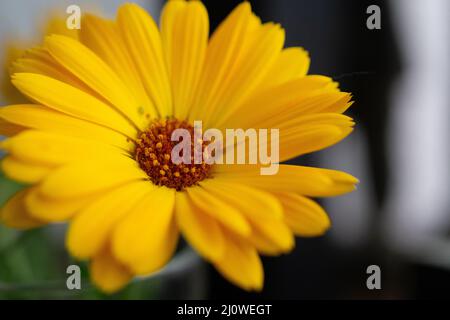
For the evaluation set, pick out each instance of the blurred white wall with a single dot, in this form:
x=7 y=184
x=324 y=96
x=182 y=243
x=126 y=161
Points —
x=419 y=146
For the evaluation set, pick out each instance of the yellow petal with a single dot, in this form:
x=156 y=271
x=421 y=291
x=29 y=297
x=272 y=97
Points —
x=304 y=216
x=316 y=119
x=265 y=245
x=22 y=171
x=37 y=60
x=309 y=181
x=103 y=38
x=56 y=210
x=184 y=33
x=292 y=63
x=169 y=20
x=225 y=45
x=261 y=209
x=146 y=238
x=141 y=36
x=90 y=228
x=14 y=213
x=310 y=139
x=340 y=105
x=312 y=132
x=88 y=177
x=247 y=75
x=219 y=210
x=9 y=129
x=93 y=71
x=241 y=264
x=42 y=118
x=328 y=102
x=239 y=54
x=108 y=274
x=48 y=149
x=70 y=100
x=267 y=108
x=200 y=230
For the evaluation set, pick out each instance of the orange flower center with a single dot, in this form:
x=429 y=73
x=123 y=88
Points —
x=154 y=155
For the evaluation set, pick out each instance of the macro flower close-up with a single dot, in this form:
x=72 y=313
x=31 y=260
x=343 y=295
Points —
x=93 y=144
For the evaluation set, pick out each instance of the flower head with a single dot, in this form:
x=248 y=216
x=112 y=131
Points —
x=94 y=145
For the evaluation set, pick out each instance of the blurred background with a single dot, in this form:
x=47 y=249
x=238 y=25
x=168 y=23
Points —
x=398 y=219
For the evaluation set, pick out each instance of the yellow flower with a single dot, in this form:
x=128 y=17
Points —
x=95 y=145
